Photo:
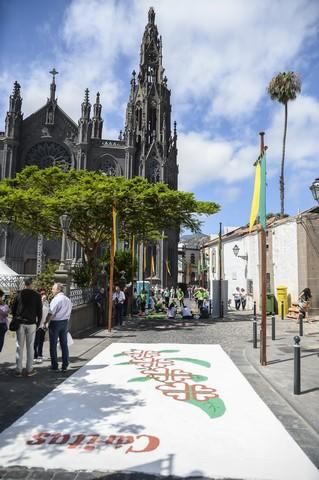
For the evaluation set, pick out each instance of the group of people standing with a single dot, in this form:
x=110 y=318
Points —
x=34 y=315
x=240 y=298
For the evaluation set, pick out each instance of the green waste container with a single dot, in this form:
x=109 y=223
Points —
x=270 y=303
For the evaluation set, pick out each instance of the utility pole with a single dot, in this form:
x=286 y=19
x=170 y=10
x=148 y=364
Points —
x=263 y=275
x=220 y=269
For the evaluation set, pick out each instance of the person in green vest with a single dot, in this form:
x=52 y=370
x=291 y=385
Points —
x=200 y=295
x=166 y=295
x=180 y=296
x=142 y=301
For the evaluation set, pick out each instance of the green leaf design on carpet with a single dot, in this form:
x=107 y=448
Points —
x=140 y=379
x=119 y=354
x=199 y=378
x=124 y=363
x=214 y=407
x=168 y=351
x=202 y=363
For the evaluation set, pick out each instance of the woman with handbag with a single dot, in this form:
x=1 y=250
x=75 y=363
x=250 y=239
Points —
x=4 y=310
x=27 y=306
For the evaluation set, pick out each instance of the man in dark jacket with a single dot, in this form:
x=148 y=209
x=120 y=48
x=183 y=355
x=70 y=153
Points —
x=28 y=306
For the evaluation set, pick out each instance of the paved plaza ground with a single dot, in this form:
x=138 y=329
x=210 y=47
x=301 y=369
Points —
x=299 y=414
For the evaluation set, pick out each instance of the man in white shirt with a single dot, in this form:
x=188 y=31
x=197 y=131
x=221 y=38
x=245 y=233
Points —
x=57 y=320
x=118 y=301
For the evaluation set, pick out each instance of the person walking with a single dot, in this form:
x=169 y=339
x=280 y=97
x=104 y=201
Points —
x=180 y=296
x=118 y=301
x=4 y=310
x=40 y=333
x=28 y=305
x=100 y=300
x=243 y=298
x=142 y=302
x=57 y=322
x=237 y=298
x=166 y=296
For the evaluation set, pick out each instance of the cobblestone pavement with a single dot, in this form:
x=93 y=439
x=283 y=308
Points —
x=274 y=382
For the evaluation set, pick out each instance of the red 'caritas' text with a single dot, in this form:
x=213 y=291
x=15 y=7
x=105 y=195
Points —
x=88 y=442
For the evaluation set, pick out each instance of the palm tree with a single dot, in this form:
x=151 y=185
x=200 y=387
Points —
x=284 y=87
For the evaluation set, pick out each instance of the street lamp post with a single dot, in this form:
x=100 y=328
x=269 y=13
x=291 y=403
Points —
x=65 y=222
x=62 y=274
x=314 y=188
x=236 y=250
x=104 y=319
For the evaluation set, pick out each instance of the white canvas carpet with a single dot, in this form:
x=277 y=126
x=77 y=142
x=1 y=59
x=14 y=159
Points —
x=157 y=408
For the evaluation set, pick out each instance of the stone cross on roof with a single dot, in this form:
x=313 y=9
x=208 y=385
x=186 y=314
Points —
x=54 y=73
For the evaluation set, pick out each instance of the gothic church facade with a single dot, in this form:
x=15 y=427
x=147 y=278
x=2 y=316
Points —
x=147 y=147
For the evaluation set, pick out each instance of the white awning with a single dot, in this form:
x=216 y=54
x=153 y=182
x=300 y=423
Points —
x=6 y=270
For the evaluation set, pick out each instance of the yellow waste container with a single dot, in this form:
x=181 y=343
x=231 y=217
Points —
x=282 y=296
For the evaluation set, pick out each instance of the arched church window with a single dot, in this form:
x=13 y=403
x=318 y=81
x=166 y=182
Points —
x=152 y=119
x=108 y=167
x=155 y=171
x=48 y=154
x=150 y=74
x=50 y=117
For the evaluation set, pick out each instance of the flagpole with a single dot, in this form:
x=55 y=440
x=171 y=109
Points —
x=263 y=275
x=152 y=270
x=112 y=251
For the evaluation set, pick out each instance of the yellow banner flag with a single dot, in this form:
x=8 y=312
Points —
x=152 y=265
x=168 y=269
x=114 y=215
x=256 y=197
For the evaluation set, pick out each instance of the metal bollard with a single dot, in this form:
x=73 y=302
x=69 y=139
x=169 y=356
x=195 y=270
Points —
x=300 y=317
x=273 y=327
x=297 y=365
x=222 y=310
x=255 y=332
x=282 y=311
x=255 y=311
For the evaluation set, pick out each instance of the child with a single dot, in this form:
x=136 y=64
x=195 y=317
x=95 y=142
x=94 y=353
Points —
x=40 y=333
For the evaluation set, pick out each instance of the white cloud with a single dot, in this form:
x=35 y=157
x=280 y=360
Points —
x=302 y=147
x=219 y=58
x=203 y=160
x=226 y=52
x=221 y=53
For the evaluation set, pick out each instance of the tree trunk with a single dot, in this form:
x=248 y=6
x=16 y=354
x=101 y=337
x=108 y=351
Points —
x=282 y=181
x=90 y=255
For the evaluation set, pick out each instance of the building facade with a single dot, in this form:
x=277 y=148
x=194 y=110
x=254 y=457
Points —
x=147 y=147
x=292 y=259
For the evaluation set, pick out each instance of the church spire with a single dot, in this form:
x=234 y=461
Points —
x=151 y=16
x=97 y=122
x=86 y=106
x=14 y=116
x=151 y=70
x=85 y=123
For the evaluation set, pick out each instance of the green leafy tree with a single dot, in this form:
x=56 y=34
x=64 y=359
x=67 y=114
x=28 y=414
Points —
x=45 y=279
x=284 y=88
x=35 y=199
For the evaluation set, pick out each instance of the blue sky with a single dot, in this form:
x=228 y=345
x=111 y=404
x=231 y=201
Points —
x=219 y=58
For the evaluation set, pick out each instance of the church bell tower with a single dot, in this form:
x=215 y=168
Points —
x=151 y=144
